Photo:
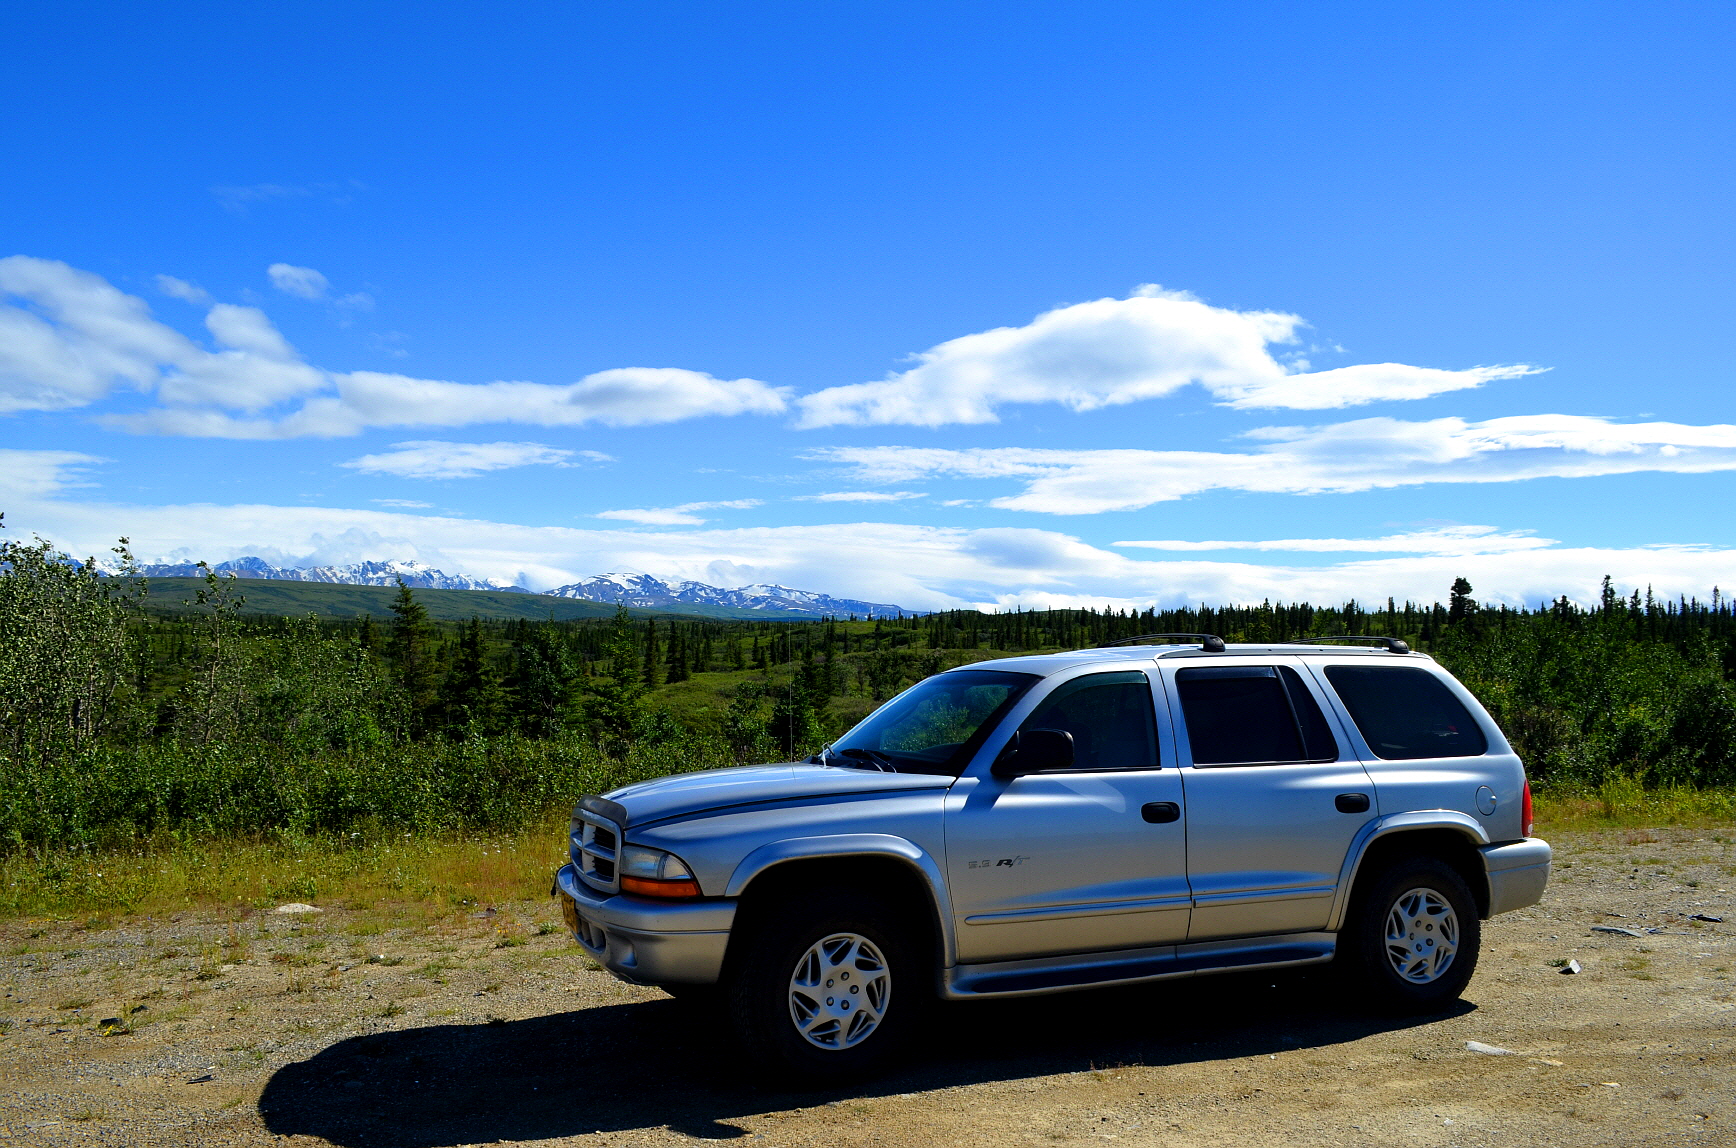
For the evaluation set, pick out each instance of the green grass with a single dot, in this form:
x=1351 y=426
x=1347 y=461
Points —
x=1624 y=804
x=431 y=875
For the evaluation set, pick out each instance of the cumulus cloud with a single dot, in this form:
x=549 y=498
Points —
x=921 y=567
x=68 y=339
x=181 y=289
x=862 y=496
x=676 y=515
x=1364 y=454
x=1114 y=351
x=434 y=459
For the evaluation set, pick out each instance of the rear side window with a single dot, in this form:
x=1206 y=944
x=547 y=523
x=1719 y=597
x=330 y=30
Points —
x=1407 y=713
x=1252 y=715
x=1109 y=716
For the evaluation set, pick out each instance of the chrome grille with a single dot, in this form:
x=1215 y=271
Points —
x=595 y=840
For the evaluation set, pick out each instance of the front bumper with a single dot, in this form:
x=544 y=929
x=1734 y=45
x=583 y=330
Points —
x=1518 y=873
x=650 y=942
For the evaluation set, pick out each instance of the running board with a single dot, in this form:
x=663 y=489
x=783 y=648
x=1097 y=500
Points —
x=1131 y=966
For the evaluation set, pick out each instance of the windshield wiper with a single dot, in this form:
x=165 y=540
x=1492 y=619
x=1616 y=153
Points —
x=877 y=760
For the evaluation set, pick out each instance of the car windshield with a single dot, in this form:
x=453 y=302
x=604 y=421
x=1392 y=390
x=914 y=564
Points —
x=935 y=725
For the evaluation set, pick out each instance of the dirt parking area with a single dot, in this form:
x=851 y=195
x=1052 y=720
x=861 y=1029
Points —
x=385 y=1026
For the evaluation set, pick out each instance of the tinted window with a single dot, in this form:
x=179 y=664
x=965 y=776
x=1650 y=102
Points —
x=1109 y=716
x=1237 y=714
x=935 y=725
x=1406 y=713
x=1316 y=733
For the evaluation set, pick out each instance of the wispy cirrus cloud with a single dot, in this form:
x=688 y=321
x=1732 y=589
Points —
x=1338 y=458
x=862 y=496
x=181 y=289
x=69 y=339
x=436 y=459
x=682 y=515
x=1438 y=540
x=302 y=282
x=1114 y=351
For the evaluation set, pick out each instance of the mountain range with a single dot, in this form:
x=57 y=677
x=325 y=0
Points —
x=637 y=590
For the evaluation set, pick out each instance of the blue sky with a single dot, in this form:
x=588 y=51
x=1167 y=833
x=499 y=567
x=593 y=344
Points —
x=924 y=304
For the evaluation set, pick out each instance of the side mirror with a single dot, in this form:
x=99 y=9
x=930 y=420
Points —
x=1033 y=750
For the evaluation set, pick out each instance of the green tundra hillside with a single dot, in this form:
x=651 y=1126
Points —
x=337 y=600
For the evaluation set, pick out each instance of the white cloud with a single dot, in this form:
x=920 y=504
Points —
x=68 y=338
x=402 y=503
x=1364 y=454
x=676 y=515
x=181 y=289
x=1450 y=540
x=915 y=566
x=862 y=496
x=302 y=282
x=40 y=473
x=1114 y=351
x=434 y=459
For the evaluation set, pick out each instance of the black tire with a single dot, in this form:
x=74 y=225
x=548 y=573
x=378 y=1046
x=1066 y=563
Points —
x=759 y=990
x=1369 y=961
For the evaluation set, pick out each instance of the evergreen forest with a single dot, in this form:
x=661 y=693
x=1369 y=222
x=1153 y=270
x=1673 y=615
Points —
x=125 y=718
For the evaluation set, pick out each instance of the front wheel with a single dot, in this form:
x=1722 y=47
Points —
x=1410 y=939
x=823 y=996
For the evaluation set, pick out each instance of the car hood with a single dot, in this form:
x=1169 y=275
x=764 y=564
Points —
x=684 y=793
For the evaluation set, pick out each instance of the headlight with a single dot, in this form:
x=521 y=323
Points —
x=654 y=873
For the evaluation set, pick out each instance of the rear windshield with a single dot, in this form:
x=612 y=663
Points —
x=1407 y=713
x=935 y=725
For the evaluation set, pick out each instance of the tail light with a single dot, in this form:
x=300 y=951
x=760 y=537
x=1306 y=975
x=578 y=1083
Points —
x=1527 y=820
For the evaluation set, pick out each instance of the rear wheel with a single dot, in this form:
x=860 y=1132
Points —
x=1410 y=939
x=824 y=995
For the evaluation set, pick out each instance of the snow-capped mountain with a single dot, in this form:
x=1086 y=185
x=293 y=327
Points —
x=644 y=591
x=638 y=590
x=418 y=575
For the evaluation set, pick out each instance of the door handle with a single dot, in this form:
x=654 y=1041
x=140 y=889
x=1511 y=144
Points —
x=1160 y=812
x=1351 y=802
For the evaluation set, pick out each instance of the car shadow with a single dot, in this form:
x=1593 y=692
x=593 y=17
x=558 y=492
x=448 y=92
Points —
x=660 y=1063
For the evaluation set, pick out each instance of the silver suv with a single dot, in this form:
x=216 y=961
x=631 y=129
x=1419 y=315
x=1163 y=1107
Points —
x=1065 y=821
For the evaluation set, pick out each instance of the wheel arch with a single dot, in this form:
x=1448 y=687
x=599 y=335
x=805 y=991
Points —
x=894 y=864
x=1452 y=836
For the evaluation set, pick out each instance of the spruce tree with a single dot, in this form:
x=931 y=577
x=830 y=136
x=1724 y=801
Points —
x=470 y=696
x=413 y=659
x=542 y=681
x=650 y=662
x=616 y=698
x=677 y=665
x=1460 y=604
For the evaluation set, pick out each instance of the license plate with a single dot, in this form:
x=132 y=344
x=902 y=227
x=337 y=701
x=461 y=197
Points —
x=570 y=912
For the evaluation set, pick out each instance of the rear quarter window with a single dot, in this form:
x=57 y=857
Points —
x=1406 y=713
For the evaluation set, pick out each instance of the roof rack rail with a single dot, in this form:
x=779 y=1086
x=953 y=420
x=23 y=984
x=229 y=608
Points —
x=1211 y=643
x=1393 y=645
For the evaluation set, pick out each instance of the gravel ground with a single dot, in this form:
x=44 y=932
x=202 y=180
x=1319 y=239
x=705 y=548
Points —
x=378 y=1027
